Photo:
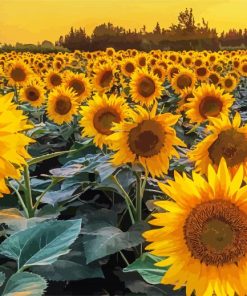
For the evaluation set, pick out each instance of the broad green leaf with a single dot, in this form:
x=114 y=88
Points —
x=2 y=278
x=41 y=244
x=25 y=284
x=101 y=239
x=144 y=265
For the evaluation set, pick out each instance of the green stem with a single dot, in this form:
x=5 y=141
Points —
x=138 y=197
x=28 y=192
x=20 y=200
x=130 y=206
x=124 y=258
x=53 y=183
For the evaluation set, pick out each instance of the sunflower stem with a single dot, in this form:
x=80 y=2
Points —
x=139 y=194
x=130 y=206
x=28 y=192
x=53 y=183
x=20 y=200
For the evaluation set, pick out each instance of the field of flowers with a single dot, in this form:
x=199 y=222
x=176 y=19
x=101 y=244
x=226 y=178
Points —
x=123 y=173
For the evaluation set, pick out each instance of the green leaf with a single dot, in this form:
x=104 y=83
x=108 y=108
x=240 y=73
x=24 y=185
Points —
x=144 y=265
x=101 y=239
x=46 y=156
x=41 y=244
x=25 y=284
x=2 y=278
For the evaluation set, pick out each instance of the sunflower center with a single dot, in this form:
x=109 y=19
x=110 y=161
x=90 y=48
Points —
x=129 y=67
x=201 y=71
x=213 y=78
x=158 y=72
x=198 y=63
x=32 y=94
x=78 y=86
x=228 y=82
x=146 y=87
x=55 y=80
x=230 y=144
x=244 y=68
x=106 y=78
x=104 y=119
x=146 y=139
x=216 y=232
x=142 y=61
x=210 y=106
x=18 y=74
x=184 y=81
x=63 y=105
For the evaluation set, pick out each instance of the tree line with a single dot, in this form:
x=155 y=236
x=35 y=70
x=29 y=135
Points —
x=185 y=35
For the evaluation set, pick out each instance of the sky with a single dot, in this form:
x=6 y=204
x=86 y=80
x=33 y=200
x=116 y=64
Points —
x=32 y=21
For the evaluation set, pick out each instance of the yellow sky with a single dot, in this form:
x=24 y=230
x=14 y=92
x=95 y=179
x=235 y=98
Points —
x=30 y=21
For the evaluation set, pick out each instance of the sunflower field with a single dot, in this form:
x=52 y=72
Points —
x=123 y=173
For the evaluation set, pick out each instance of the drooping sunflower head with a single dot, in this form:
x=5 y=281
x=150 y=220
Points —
x=228 y=83
x=18 y=73
x=62 y=105
x=147 y=139
x=203 y=231
x=145 y=87
x=33 y=93
x=104 y=78
x=53 y=79
x=227 y=139
x=185 y=95
x=208 y=101
x=184 y=79
x=99 y=115
x=80 y=85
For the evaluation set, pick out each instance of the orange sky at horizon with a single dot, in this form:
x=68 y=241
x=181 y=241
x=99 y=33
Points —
x=32 y=21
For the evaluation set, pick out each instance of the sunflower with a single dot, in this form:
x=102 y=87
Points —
x=185 y=94
x=227 y=139
x=33 y=93
x=104 y=78
x=128 y=66
x=80 y=85
x=147 y=139
x=12 y=141
x=160 y=72
x=208 y=101
x=141 y=60
x=229 y=83
x=99 y=115
x=18 y=73
x=62 y=105
x=203 y=238
x=172 y=70
x=214 y=77
x=202 y=73
x=243 y=68
x=53 y=79
x=145 y=87
x=184 y=79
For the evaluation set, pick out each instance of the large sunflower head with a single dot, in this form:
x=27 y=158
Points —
x=80 y=85
x=145 y=87
x=33 y=93
x=62 y=105
x=18 y=73
x=227 y=139
x=184 y=79
x=208 y=101
x=203 y=234
x=147 y=139
x=13 y=142
x=100 y=114
x=53 y=79
x=104 y=78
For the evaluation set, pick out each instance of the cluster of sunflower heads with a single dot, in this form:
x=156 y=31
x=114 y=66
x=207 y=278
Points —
x=133 y=103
